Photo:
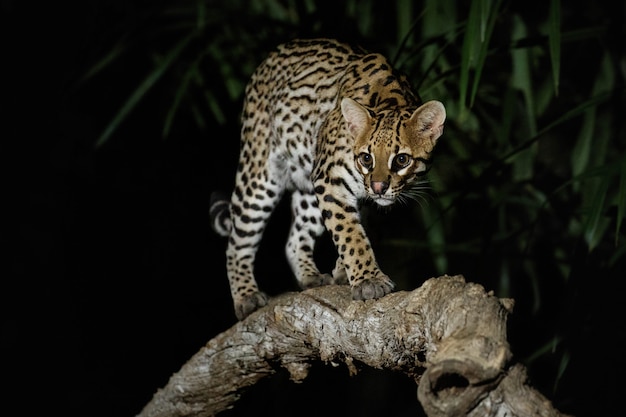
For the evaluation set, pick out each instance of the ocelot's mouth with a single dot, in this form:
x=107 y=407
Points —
x=382 y=200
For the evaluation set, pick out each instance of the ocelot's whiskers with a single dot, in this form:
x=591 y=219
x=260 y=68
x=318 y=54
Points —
x=419 y=192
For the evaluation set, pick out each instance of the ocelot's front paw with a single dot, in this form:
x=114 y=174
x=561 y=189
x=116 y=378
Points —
x=372 y=288
x=317 y=280
x=248 y=304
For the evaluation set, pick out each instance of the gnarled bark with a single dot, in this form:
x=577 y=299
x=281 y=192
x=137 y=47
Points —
x=448 y=334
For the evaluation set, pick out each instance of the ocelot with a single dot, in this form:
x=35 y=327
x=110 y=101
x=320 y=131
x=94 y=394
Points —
x=334 y=125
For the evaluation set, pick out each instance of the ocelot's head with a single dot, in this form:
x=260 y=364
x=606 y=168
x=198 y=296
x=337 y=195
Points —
x=392 y=149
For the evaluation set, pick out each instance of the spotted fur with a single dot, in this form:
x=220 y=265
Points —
x=333 y=125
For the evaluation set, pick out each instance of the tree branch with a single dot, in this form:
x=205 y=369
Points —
x=448 y=334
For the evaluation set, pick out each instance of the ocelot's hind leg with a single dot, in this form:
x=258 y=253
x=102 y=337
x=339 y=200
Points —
x=306 y=227
x=251 y=205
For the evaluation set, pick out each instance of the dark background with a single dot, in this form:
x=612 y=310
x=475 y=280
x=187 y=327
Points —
x=115 y=279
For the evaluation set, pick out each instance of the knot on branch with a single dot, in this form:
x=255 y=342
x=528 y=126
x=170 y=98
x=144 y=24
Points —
x=469 y=353
x=298 y=371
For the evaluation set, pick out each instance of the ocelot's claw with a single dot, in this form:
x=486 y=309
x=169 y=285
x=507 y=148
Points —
x=249 y=304
x=372 y=288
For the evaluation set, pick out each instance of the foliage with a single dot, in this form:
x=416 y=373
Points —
x=530 y=177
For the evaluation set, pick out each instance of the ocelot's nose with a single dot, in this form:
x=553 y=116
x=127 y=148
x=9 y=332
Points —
x=379 y=187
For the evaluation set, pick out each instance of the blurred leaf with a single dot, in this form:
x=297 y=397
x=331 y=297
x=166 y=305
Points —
x=480 y=24
x=621 y=199
x=439 y=26
x=582 y=148
x=577 y=110
x=362 y=12
x=521 y=77
x=581 y=34
x=436 y=240
x=562 y=367
x=521 y=80
x=142 y=89
x=468 y=53
x=404 y=13
x=554 y=39
x=234 y=84
x=180 y=92
x=549 y=347
x=595 y=131
x=201 y=13
x=214 y=105
x=594 y=227
x=617 y=255
x=568 y=115
x=104 y=62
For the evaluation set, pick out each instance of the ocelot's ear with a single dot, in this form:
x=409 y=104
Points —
x=357 y=116
x=428 y=120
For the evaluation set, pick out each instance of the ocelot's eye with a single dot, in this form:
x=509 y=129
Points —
x=366 y=160
x=402 y=161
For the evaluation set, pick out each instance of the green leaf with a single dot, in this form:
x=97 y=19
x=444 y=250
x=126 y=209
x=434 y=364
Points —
x=404 y=12
x=621 y=199
x=478 y=32
x=577 y=110
x=142 y=89
x=521 y=78
x=554 y=40
x=111 y=56
x=594 y=227
x=617 y=255
x=548 y=347
x=487 y=23
x=215 y=107
x=201 y=13
x=436 y=239
x=468 y=53
x=568 y=115
x=562 y=367
x=180 y=92
x=582 y=148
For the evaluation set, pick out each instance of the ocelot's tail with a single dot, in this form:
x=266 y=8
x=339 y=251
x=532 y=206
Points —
x=219 y=213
